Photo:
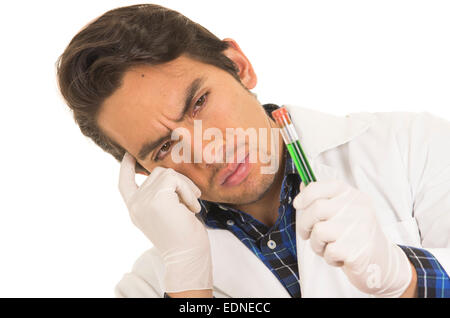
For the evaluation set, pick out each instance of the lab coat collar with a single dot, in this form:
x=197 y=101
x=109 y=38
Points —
x=319 y=131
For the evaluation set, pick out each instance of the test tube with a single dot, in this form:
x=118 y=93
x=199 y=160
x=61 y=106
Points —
x=290 y=137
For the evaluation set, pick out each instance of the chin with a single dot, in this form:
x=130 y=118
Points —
x=252 y=189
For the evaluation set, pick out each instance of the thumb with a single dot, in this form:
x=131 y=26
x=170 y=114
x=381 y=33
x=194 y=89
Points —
x=298 y=199
x=302 y=186
x=127 y=181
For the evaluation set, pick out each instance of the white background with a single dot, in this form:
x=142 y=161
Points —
x=64 y=230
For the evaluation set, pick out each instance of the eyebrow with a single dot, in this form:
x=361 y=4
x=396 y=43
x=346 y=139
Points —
x=190 y=92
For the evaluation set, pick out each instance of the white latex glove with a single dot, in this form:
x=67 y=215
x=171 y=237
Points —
x=341 y=224
x=164 y=208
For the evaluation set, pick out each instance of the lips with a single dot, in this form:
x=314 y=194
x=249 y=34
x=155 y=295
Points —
x=234 y=173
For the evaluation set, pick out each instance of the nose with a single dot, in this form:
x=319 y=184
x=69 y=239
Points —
x=202 y=147
x=213 y=152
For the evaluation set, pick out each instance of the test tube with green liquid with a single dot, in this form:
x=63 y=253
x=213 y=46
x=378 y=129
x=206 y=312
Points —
x=290 y=137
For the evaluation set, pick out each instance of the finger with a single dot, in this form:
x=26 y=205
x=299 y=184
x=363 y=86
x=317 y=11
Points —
x=173 y=182
x=302 y=186
x=152 y=178
x=322 y=234
x=320 y=210
x=191 y=184
x=334 y=254
x=127 y=181
x=187 y=195
x=318 y=190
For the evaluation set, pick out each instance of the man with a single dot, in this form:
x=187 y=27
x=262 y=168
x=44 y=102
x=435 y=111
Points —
x=376 y=222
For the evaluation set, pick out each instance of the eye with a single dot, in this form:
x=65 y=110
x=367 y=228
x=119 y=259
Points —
x=163 y=151
x=199 y=104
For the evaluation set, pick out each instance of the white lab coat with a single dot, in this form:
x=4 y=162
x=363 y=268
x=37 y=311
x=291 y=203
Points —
x=401 y=159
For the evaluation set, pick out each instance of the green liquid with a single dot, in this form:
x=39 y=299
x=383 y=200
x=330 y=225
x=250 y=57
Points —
x=303 y=167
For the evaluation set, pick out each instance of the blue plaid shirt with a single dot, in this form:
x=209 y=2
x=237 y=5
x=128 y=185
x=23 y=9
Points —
x=276 y=246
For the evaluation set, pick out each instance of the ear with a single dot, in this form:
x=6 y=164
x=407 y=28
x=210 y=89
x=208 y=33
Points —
x=246 y=72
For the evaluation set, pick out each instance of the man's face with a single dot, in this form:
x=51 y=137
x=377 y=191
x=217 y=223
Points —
x=150 y=101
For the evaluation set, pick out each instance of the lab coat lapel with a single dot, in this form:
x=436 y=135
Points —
x=317 y=278
x=238 y=272
x=320 y=280
x=319 y=132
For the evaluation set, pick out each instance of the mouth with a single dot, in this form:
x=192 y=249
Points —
x=234 y=173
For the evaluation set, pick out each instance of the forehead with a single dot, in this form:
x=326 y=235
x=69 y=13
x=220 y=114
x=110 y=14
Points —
x=164 y=78
x=147 y=97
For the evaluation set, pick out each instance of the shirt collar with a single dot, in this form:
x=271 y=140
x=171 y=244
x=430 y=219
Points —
x=318 y=131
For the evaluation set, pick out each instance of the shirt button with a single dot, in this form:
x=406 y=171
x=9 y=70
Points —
x=230 y=222
x=289 y=200
x=271 y=244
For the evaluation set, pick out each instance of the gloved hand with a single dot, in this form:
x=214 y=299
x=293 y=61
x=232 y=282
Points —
x=164 y=208
x=341 y=224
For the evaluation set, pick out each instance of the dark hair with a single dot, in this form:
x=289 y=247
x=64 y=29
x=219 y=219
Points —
x=93 y=64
